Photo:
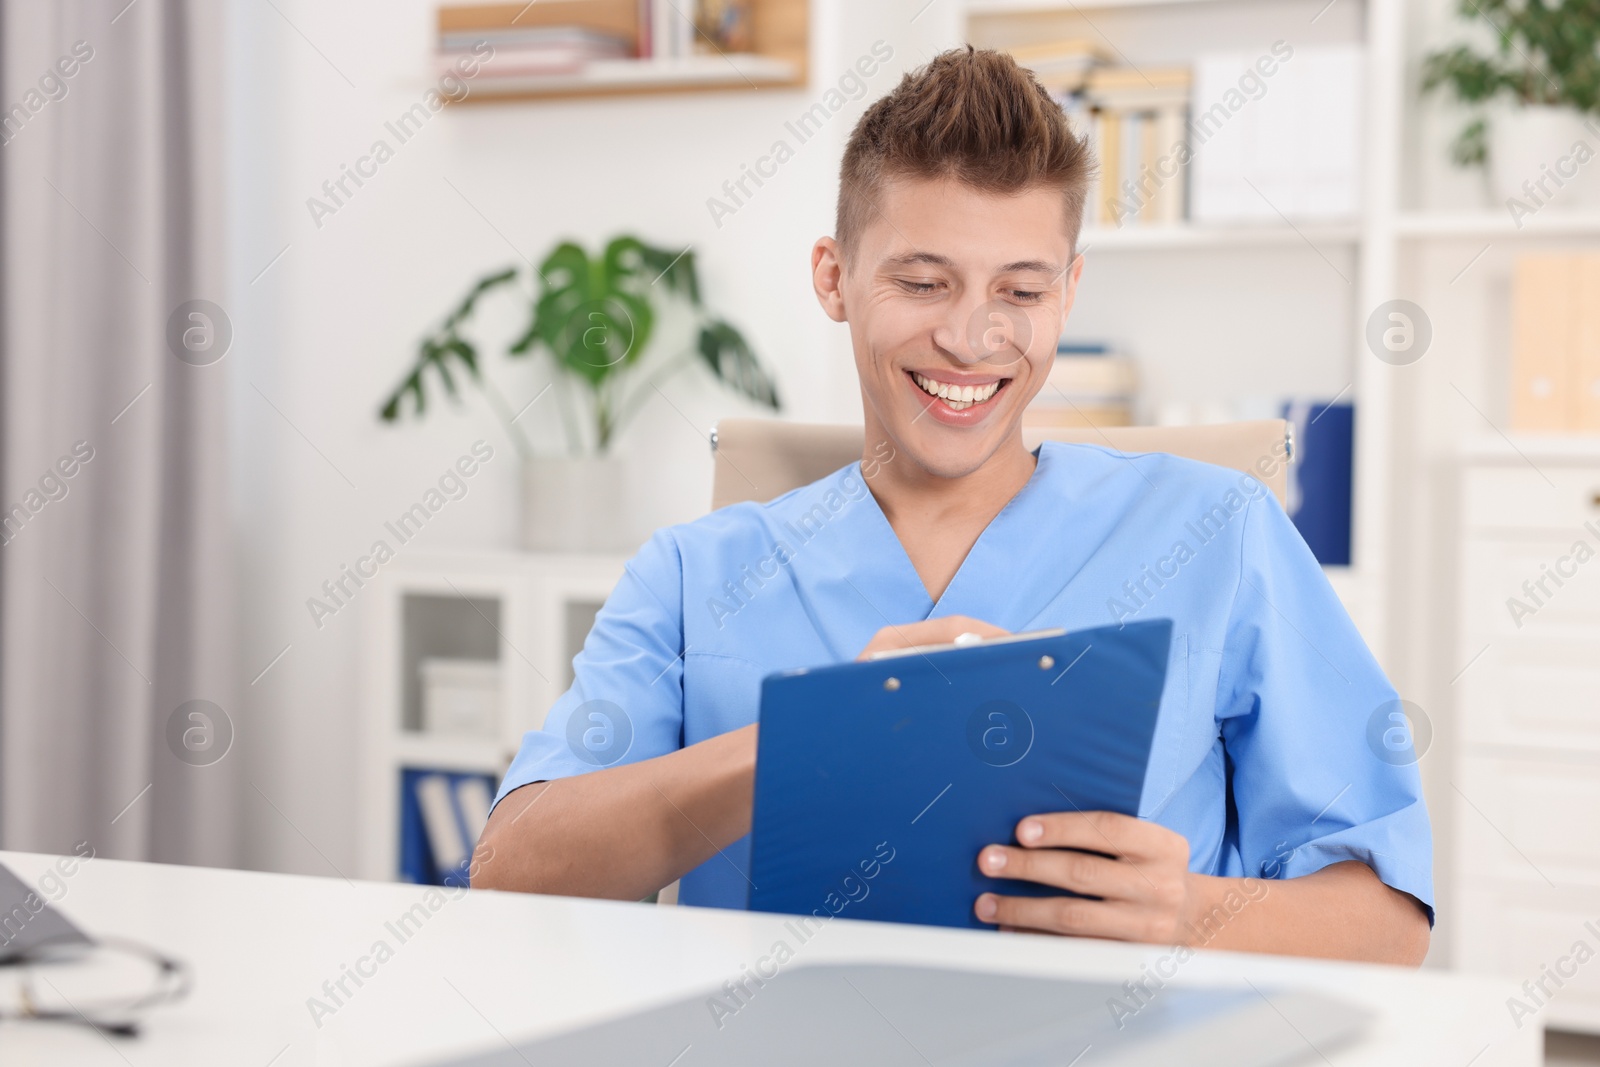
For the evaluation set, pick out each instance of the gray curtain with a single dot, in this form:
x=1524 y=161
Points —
x=117 y=685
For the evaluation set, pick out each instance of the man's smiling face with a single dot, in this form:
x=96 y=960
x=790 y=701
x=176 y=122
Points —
x=955 y=298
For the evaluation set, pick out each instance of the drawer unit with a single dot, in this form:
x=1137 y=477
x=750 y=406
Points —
x=1534 y=936
x=1498 y=572
x=1538 y=690
x=1527 y=819
x=1524 y=785
x=1497 y=496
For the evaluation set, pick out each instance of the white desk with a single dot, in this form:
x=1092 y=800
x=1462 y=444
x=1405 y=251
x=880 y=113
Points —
x=491 y=964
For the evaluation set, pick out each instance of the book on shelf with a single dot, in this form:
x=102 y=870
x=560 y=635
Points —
x=1284 y=144
x=460 y=696
x=525 y=60
x=1138 y=126
x=1062 y=66
x=1321 y=479
x=1132 y=89
x=517 y=52
x=442 y=813
x=1088 y=385
x=601 y=35
x=535 y=37
x=1555 y=343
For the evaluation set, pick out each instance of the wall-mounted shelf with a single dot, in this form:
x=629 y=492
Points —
x=778 y=57
x=1552 y=223
x=1186 y=235
x=1028 y=7
x=614 y=77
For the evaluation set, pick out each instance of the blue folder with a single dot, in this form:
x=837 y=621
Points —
x=878 y=782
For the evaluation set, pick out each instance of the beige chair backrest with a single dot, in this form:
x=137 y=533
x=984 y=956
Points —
x=758 y=459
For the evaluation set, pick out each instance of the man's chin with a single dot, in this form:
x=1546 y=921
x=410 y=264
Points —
x=954 y=452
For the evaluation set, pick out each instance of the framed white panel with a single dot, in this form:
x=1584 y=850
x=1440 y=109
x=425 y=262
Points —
x=1540 y=692
x=1529 y=820
x=1531 y=935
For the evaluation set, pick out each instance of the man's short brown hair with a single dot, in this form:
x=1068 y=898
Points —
x=970 y=114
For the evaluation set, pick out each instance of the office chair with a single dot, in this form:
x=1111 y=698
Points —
x=758 y=459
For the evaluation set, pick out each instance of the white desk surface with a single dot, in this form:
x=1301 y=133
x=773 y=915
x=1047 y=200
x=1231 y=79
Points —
x=486 y=967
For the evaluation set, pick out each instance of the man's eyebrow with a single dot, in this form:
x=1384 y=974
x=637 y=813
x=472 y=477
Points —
x=1038 y=265
x=932 y=259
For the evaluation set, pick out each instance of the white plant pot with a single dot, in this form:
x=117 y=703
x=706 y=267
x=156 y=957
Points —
x=1535 y=158
x=575 y=504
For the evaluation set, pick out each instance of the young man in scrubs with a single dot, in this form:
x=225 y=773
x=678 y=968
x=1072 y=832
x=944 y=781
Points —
x=954 y=265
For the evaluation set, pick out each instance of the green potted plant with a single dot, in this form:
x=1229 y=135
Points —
x=596 y=319
x=1543 y=71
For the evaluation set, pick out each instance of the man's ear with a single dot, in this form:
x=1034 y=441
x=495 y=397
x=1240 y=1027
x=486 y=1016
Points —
x=1074 y=272
x=827 y=277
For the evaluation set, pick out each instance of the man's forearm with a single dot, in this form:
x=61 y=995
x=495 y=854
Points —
x=623 y=832
x=1340 y=912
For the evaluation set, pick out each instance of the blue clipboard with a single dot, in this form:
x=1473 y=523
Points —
x=878 y=782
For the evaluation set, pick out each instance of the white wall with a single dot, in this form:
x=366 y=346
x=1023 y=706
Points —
x=327 y=330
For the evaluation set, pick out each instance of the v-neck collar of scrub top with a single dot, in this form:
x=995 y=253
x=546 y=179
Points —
x=896 y=592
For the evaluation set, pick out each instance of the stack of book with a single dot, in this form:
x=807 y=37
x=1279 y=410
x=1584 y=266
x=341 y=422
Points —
x=532 y=51
x=1089 y=385
x=1138 y=122
x=1555 y=344
x=558 y=45
x=1062 y=66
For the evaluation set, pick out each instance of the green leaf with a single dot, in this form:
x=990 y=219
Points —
x=1544 y=53
x=595 y=316
x=437 y=351
x=484 y=285
x=675 y=270
x=1471 y=146
x=589 y=314
x=728 y=355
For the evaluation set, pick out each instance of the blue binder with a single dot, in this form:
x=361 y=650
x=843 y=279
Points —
x=877 y=783
x=1322 y=485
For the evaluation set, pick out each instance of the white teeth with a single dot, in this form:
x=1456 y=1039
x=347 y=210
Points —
x=958 y=397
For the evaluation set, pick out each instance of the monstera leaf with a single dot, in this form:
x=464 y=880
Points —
x=593 y=315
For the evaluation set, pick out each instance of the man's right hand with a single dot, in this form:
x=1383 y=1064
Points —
x=929 y=632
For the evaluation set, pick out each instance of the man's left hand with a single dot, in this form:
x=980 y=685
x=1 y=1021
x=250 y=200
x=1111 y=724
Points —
x=1140 y=877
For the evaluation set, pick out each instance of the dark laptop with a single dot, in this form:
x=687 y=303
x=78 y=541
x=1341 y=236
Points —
x=29 y=925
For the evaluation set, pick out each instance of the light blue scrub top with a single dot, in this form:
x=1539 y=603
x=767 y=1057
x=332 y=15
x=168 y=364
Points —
x=1274 y=753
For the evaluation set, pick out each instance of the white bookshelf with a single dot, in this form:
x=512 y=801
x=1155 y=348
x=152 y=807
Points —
x=1179 y=295
x=528 y=612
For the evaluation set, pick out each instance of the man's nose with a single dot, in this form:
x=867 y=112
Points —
x=954 y=332
x=984 y=330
